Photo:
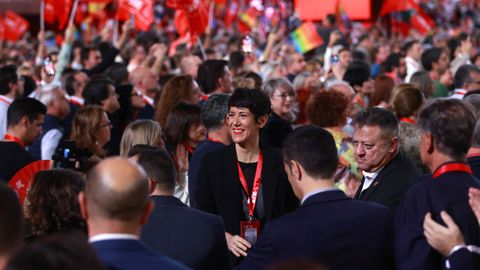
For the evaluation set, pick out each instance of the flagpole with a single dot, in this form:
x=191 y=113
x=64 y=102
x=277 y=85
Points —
x=42 y=16
x=72 y=14
x=202 y=50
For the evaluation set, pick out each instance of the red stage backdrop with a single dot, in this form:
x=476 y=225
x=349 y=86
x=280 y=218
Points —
x=317 y=9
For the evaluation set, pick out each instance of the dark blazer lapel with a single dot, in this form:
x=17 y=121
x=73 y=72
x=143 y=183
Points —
x=269 y=183
x=359 y=190
x=382 y=175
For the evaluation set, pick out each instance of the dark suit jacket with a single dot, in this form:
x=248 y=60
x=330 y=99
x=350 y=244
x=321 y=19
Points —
x=463 y=259
x=391 y=183
x=219 y=190
x=275 y=131
x=448 y=192
x=187 y=235
x=474 y=163
x=329 y=228
x=13 y=158
x=129 y=254
x=203 y=149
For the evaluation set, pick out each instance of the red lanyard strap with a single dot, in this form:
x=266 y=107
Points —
x=188 y=148
x=452 y=167
x=5 y=101
x=11 y=138
x=252 y=198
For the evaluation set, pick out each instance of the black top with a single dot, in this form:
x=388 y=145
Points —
x=249 y=170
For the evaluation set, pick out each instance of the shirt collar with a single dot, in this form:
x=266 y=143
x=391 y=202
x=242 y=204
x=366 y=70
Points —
x=317 y=191
x=112 y=236
x=149 y=100
x=371 y=175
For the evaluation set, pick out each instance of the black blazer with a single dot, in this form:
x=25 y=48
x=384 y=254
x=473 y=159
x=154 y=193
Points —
x=188 y=235
x=219 y=190
x=330 y=228
x=391 y=183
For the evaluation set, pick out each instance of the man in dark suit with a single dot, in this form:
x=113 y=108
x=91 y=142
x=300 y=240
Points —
x=328 y=227
x=115 y=205
x=214 y=111
x=473 y=156
x=188 y=235
x=387 y=174
x=446 y=135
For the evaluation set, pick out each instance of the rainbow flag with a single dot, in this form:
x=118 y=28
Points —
x=306 y=38
x=247 y=19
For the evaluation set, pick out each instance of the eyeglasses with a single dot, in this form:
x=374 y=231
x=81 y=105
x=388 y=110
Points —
x=285 y=95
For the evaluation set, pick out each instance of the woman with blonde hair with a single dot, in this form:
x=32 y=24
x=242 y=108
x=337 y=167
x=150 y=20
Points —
x=91 y=132
x=142 y=131
x=178 y=89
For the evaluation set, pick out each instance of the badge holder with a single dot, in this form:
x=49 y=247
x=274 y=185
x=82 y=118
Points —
x=249 y=230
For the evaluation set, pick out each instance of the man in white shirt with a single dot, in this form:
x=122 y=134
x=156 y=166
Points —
x=11 y=87
x=145 y=84
x=115 y=205
x=413 y=51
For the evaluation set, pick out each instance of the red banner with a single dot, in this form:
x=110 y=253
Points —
x=142 y=10
x=15 y=26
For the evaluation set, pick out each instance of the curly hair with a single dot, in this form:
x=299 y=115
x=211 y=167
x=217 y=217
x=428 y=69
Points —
x=85 y=125
x=52 y=204
x=177 y=89
x=327 y=108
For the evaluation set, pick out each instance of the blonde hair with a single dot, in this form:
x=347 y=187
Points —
x=86 y=124
x=142 y=131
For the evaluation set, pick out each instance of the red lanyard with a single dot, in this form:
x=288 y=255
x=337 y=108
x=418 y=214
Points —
x=5 y=101
x=76 y=103
x=213 y=140
x=11 y=138
x=452 y=167
x=188 y=147
x=408 y=120
x=252 y=198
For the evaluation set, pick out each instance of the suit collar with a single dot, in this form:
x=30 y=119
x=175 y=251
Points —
x=119 y=245
x=166 y=200
x=325 y=197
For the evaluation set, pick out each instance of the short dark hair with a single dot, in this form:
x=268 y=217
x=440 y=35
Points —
x=236 y=60
x=429 y=56
x=208 y=74
x=86 y=52
x=463 y=75
x=158 y=165
x=384 y=119
x=70 y=82
x=356 y=74
x=8 y=75
x=214 y=111
x=392 y=61
x=451 y=123
x=11 y=219
x=96 y=90
x=409 y=45
x=118 y=73
x=256 y=101
x=181 y=118
x=314 y=148
x=29 y=107
x=331 y=18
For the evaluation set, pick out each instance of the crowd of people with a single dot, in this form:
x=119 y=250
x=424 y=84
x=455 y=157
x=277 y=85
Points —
x=238 y=152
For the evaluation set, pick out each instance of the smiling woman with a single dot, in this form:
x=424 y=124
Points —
x=245 y=182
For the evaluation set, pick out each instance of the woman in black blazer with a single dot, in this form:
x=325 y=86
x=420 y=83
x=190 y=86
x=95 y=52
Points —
x=221 y=190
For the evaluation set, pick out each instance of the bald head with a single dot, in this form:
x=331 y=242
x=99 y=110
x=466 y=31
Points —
x=189 y=65
x=117 y=189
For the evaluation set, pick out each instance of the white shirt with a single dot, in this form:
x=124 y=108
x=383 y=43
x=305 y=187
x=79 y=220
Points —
x=112 y=236
x=320 y=190
x=50 y=141
x=412 y=67
x=458 y=93
x=78 y=100
x=149 y=100
x=4 y=104
x=369 y=178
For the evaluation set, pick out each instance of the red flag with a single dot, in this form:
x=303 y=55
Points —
x=231 y=13
x=15 y=26
x=198 y=19
x=179 y=4
x=50 y=11
x=390 y=6
x=181 y=22
x=422 y=22
x=142 y=11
